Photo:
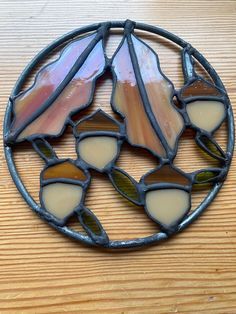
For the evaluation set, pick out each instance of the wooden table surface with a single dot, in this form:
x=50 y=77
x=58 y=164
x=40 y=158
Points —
x=42 y=271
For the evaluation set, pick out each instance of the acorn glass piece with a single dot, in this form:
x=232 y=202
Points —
x=62 y=186
x=98 y=151
x=61 y=199
x=167 y=196
x=167 y=206
x=206 y=114
x=204 y=103
x=98 y=140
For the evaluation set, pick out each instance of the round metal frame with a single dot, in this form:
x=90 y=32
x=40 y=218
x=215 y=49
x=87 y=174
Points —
x=67 y=231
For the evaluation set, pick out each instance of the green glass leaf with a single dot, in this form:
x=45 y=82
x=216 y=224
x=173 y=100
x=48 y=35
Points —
x=210 y=147
x=205 y=176
x=44 y=149
x=91 y=223
x=166 y=174
x=93 y=227
x=201 y=186
x=125 y=185
x=167 y=206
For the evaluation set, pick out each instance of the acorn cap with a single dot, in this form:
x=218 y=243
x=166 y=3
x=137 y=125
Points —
x=199 y=87
x=98 y=121
x=64 y=170
x=166 y=174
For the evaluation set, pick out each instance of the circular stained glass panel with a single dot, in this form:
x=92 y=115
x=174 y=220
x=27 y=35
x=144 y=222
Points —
x=148 y=114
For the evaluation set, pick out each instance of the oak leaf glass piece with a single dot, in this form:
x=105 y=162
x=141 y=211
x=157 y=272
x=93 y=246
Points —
x=92 y=226
x=75 y=96
x=61 y=199
x=98 y=151
x=125 y=185
x=206 y=114
x=143 y=96
x=167 y=206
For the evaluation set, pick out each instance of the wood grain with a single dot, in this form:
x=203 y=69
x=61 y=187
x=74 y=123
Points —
x=43 y=272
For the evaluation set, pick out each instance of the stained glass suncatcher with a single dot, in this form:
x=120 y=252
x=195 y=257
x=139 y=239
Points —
x=152 y=113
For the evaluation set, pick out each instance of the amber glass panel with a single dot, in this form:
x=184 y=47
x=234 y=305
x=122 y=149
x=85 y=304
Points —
x=166 y=174
x=97 y=122
x=200 y=88
x=64 y=170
